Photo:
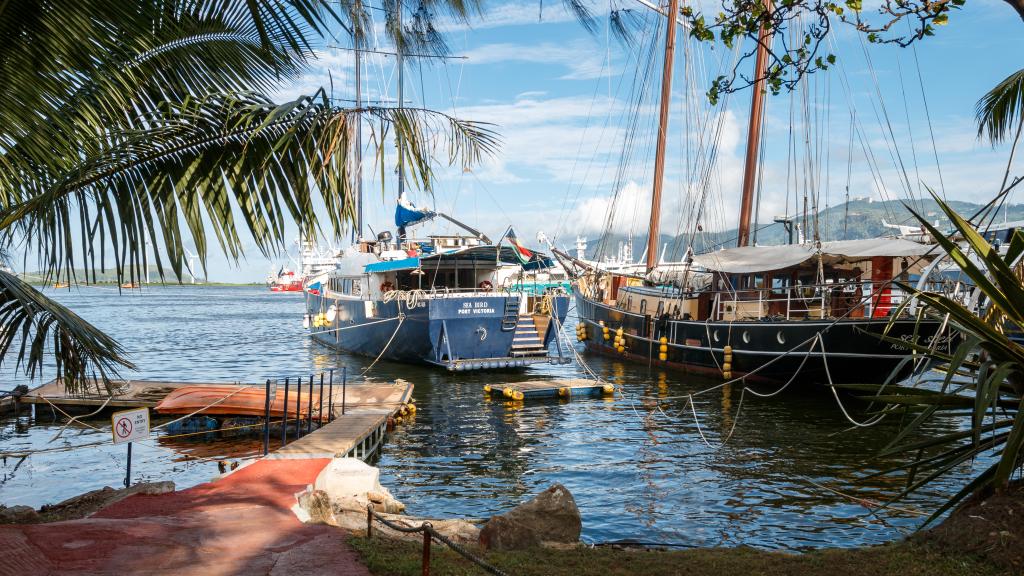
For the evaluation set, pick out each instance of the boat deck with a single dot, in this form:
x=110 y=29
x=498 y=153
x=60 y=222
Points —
x=562 y=388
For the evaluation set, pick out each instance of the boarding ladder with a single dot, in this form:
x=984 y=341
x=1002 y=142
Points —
x=511 y=317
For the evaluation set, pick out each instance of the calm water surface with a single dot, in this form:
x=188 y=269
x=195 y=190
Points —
x=638 y=466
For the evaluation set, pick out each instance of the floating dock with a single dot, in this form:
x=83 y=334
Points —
x=567 y=389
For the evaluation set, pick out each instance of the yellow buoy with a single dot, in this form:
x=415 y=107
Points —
x=663 y=348
x=608 y=389
x=517 y=395
x=726 y=366
x=621 y=349
x=662 y=356
x=508 y=392
x=487 y=388
x=412 y=409
x=663 y=340
x=564 y=392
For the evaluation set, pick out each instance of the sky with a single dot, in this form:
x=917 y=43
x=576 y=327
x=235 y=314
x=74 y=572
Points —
x=560 y=98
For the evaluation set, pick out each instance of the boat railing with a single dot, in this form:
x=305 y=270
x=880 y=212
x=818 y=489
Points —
x=808 y=301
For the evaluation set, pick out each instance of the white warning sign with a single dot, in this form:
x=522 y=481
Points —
x=130 y=425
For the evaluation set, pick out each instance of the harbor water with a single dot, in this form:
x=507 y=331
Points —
x=665 y=462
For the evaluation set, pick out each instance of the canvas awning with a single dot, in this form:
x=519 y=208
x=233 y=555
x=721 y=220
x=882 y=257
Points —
x=752 y=259
x=462 y=257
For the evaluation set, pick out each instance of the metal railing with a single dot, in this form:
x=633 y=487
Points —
x=299 y=382
x=429 y=535
x=802 y=301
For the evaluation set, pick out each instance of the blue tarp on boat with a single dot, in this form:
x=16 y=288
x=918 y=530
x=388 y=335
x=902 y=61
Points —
x=388 y=266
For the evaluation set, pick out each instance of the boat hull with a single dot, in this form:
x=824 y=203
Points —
x=233 y=400
x=847 y=351
x=471 y=332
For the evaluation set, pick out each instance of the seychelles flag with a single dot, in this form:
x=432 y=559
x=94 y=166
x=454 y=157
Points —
x=523 y=253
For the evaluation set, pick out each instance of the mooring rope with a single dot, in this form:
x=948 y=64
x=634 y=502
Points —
x=434 y=534
x=401 y=319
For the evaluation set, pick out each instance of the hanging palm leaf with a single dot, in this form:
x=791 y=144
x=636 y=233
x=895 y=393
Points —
x=137 y=121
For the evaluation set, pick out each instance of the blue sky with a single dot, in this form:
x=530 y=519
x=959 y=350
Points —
x=559 y=96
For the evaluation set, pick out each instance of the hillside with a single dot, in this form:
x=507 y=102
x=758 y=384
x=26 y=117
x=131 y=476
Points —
x=849 y=221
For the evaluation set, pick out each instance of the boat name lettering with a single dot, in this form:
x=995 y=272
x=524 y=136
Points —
x=476 y=308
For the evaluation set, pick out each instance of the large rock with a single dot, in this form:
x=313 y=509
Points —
x=550 y=517
x=18 y=515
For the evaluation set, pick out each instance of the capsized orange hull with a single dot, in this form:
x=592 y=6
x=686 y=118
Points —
x=228 y=400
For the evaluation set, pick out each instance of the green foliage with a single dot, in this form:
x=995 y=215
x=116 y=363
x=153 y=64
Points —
x=794 y=31
x=1001 y=108
x=139 y=121
x=991 y=361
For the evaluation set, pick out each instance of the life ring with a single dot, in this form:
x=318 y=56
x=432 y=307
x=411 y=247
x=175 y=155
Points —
x=486 y=286
x=387 y=287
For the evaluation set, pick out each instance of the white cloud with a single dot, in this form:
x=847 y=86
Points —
x=583 y=58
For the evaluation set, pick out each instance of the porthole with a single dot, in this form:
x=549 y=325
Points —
x=780 y=337
x=746 y=337
x=715 y=335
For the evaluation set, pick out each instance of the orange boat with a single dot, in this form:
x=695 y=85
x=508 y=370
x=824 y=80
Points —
x=129 y=285
x=227 y=400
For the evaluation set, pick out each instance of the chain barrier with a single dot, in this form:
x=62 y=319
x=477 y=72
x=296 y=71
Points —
x=429 y=534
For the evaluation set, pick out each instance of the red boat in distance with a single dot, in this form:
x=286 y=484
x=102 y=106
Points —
x=228 y=400
x=285 y=281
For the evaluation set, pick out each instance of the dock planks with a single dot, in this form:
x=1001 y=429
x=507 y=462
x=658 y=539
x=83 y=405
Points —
x=359 y=431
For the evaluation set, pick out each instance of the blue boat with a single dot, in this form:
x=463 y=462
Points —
x=454 y=301
x=449 y=301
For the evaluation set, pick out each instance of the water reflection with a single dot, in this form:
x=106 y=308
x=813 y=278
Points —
x=638 y=463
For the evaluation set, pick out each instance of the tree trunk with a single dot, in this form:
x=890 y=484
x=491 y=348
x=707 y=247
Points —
x=1018 y=5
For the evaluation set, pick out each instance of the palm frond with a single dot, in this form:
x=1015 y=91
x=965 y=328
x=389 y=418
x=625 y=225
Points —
x=33 y=326
x=200 y=164
x=999 y=111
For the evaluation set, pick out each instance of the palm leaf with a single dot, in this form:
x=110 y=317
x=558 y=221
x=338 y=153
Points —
x=35 y=326
x=1001 y=108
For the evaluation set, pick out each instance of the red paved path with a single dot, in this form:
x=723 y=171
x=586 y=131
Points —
x=241 y=524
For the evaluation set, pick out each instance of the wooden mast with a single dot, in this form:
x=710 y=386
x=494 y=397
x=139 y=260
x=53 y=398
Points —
x=754 y=133
x=653 y=230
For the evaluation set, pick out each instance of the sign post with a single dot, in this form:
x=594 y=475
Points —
x=128 y=426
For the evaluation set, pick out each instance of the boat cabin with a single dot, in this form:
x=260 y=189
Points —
x=848 y=279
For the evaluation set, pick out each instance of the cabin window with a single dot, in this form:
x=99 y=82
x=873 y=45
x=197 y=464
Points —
x=661 y=308
x=629 y=303
x=643 y=307
x=757 y=281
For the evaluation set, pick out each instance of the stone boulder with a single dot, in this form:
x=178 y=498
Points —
x=550 y=517
x=18 y=515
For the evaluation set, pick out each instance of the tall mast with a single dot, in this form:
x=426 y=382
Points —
x=400 y=45
x=754 y=132
x=357 y=41
x=653 y=231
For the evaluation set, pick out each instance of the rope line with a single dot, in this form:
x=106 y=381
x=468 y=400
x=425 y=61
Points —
x=401 y=319
x=435 y=535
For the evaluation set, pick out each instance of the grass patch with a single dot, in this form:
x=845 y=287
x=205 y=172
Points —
x=386 y=557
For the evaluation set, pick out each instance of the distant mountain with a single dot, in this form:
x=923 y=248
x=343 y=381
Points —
x=849 y=221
